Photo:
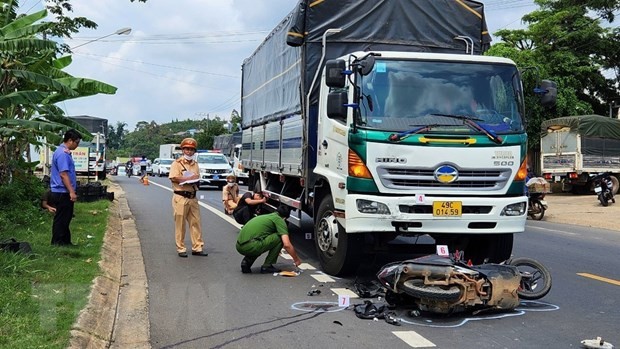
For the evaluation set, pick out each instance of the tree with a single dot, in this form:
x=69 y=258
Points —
x=31 y=82
x=116 y=136
x=235 y=120
x=563 y=43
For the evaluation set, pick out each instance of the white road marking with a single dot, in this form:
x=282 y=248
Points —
x=232 y=221
x=306 y=266
x=285 y=255
x=215 y=211
x=322 y=278
x=413 y=339
x=554 y=231
x=344 y=292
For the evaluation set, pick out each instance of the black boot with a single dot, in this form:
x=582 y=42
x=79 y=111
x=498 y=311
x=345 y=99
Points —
x=246 y=265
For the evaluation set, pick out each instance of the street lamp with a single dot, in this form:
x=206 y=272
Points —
x=122 y=31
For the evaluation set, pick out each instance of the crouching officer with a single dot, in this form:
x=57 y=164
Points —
x=265 y=233
x=184 y=203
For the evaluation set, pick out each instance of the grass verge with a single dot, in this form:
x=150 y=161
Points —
x=42 y=294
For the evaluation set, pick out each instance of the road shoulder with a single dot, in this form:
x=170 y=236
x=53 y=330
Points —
x=122 y=286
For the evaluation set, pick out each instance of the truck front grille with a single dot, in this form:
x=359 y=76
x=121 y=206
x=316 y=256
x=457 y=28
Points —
x=420 y=178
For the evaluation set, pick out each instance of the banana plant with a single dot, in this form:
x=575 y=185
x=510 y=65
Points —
x=32 y=80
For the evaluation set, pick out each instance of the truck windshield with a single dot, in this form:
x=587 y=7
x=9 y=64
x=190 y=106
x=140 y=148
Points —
x=401 y=95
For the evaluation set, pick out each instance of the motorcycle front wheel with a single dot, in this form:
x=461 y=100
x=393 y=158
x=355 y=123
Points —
x=537 y=211
x=603 y=199
x=535 y=278
x=417 y=289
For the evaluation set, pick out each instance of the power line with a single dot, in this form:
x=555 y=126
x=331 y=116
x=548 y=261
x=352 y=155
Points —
x=31 y=7
x=156 y=75
x=158 y=65
x=228 y=103
x=182 y=36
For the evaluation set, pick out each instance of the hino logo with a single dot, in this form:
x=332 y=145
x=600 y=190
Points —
x=392 y=160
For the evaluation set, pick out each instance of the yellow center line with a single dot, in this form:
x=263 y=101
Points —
x=600 y=278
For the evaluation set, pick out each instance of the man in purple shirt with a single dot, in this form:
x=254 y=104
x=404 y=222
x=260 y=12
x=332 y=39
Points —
x=63 y=184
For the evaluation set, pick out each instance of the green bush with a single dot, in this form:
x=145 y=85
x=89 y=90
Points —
x=20 y=202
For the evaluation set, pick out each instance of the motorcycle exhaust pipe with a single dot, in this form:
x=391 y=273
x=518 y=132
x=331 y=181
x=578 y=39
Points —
x=434 y=272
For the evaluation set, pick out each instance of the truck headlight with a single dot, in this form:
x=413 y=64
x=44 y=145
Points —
x=517 y=209
x=373 y=207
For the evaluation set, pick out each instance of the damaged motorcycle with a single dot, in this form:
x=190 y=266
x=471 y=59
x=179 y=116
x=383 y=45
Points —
x=447 y=285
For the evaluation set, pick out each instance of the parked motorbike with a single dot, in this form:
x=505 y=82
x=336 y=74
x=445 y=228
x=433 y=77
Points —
x=537 y=187
x=448 y=285
x=603 y=188
x=536 y=206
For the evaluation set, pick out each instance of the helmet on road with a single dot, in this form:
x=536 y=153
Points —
x=189 y=143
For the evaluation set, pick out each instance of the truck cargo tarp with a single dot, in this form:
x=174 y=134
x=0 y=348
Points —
x=586 y=125
x=276 y=77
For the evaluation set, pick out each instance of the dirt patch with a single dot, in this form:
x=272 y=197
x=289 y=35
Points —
x=584 y=210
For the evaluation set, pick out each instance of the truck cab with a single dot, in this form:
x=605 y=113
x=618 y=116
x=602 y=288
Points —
x=238 y=169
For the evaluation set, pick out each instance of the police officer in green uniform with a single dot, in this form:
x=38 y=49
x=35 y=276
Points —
x=264 y=233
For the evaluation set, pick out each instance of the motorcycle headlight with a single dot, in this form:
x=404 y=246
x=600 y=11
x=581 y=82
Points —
x=374 y=207
x=517 y=209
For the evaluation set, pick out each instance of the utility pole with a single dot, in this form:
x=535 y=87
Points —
x=614 y=104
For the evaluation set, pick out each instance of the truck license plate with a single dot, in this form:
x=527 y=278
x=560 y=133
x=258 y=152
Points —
x=447 y=208
x=216 y=177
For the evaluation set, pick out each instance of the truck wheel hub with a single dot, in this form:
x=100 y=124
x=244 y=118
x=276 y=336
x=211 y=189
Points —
x=327 y=234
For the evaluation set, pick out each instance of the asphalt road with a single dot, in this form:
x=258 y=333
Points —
x=205 y=302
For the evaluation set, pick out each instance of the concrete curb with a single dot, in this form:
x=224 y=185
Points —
x=122 y=286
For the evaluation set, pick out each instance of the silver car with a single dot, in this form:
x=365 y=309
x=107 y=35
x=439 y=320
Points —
x=161 y=167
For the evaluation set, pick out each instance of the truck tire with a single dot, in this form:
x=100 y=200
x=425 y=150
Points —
x=615 y=185
x=494 y=247
x=338 y=251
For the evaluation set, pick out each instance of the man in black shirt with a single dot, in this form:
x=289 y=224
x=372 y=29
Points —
x=247 y=207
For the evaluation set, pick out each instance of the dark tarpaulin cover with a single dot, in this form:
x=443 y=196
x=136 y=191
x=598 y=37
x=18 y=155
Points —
x=586 y=125
x=276 y=77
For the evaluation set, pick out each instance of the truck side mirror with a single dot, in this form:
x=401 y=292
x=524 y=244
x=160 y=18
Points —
x=549 y=94
x=366 y=65
x=334 y=73
x=336 y=105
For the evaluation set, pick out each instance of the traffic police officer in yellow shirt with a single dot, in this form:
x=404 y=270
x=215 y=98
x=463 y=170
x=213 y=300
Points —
x=184 y=203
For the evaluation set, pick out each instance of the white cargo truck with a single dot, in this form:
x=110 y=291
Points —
x=170 y=151
x=382 y=119
x=574 y=149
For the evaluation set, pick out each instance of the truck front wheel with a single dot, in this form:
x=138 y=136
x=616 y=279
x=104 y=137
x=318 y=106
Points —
x=338 y=251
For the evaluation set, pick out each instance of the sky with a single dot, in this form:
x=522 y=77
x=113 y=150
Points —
x=182 y=59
